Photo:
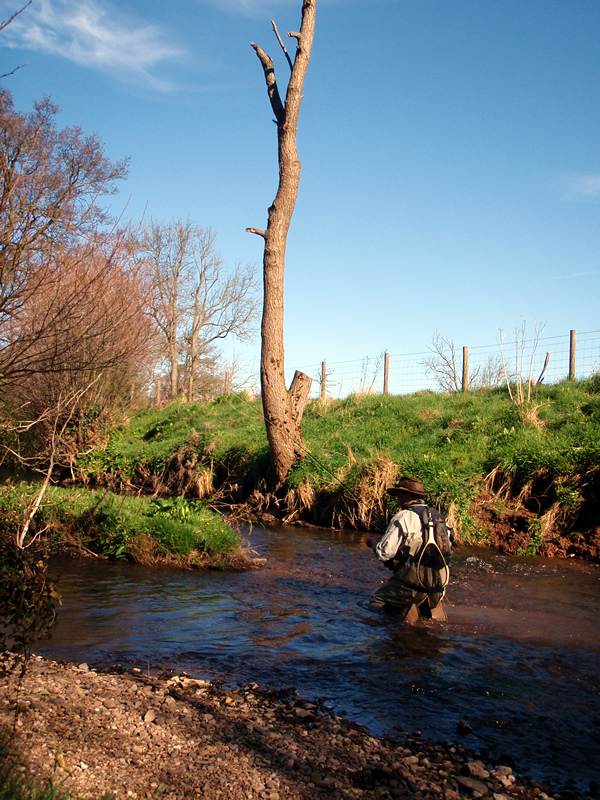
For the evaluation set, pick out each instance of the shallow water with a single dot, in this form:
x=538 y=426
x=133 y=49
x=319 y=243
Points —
x=518 y=658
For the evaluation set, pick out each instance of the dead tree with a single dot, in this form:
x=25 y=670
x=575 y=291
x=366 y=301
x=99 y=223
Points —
x=283 y=408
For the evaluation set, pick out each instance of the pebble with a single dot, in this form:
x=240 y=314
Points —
x=184 y=738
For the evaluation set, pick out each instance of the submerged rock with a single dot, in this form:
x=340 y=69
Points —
x=478 y=564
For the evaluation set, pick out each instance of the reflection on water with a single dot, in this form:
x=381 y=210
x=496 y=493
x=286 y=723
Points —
x=518 y=658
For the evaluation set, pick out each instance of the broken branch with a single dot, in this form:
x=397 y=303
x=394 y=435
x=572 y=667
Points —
x=279 y=39
x=257 y=231
x=272 y=89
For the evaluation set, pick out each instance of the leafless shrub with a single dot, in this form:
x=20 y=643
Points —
x=443 y=364
x=57 y=419
x=521 y=381
x=369 y=373
x=447 y=373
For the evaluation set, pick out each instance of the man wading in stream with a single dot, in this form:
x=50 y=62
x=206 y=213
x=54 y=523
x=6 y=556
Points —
x=416 y=547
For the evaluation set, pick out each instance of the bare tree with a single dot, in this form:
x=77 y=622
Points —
x=71 y=304
x=205 y=379
x=443 y=364
x=239 y=375
x=99 y=327
x=448 y=374
x=88 y=317
x=283 y=408
x=223 y=304
x=50 y=184
x=4 y=25
x=165 y=252
x=195 y=300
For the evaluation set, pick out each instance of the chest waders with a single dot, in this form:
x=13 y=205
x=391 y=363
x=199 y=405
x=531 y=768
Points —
x=419 y=582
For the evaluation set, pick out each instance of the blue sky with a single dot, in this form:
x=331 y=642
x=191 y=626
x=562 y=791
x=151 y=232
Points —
x=450 y=150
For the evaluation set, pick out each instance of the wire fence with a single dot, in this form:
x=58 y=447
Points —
x=442 y=367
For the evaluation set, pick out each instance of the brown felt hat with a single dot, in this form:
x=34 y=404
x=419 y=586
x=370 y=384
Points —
x=408 y=485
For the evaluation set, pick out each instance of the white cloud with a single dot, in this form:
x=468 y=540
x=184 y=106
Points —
x=261 y=8
x=572 y=276
x=581 y=188
x=251 y=8
x=95 y=35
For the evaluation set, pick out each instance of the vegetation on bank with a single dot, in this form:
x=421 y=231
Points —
x=94 y=523
x=523 y=476
x=142 y=529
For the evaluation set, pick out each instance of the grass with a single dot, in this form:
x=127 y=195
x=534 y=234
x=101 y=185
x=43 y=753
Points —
x=16 y=785
x=540 y=455
x=453 y=442
x=231 y=427
x=125 y=527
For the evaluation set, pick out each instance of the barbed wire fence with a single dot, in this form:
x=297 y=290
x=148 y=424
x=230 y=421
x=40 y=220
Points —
x=548 y=359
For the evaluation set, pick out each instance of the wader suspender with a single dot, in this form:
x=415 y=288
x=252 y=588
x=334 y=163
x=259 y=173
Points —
x=429 y=539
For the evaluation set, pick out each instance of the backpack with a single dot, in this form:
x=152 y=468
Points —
x=433 y=558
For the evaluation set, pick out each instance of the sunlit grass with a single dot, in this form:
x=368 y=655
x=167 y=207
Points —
x=120 y=526
x=452 y=442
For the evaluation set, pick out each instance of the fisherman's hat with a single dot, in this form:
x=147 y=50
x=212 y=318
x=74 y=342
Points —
x=408 y=485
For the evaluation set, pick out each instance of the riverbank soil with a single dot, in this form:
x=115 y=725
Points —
x=136 y=736
x=530 y=521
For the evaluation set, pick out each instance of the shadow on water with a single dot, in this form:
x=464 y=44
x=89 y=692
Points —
x=518 y=658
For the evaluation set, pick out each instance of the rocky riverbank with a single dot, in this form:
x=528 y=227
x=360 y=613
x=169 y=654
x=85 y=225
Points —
x=137 y=736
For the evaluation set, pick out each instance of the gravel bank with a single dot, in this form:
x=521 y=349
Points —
x=134 y=736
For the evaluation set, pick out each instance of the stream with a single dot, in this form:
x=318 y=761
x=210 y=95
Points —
x=518 y=659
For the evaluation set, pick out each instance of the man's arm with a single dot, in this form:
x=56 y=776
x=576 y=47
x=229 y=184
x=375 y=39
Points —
x=391 y=540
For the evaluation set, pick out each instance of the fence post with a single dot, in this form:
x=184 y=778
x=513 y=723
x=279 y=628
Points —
x=227 y=380
x=158 y=386
x=465 y=369
x=323 y=381
x=572 y=355
x=386 y=372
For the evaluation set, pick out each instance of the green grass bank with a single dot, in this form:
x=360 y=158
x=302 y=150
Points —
x=99 y=523
x=522 y=477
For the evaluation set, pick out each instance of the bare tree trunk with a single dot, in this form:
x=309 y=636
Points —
x=173 y=355
x=283 y=409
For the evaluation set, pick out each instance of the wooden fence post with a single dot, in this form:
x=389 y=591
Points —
x=227 y=381
x=158 y=387
x=386 y=372
x=465 y=369
x=572 y=355
x=323 y=381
